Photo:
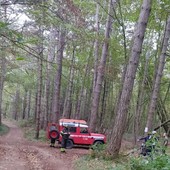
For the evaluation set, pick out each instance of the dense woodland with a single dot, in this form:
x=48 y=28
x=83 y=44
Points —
x=104 y=61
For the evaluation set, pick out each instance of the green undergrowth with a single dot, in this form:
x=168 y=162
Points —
x=159 y=162
x=89 y=163
x=29 y=130
x=98 y=160
x=3 y=130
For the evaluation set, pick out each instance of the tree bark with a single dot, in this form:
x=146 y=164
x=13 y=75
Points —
x=156 y=87
x=39 y=88
x=67 y=104
x=2 y=77
x=57 y=88
x=29 y=103
x=15 y=111
x=96 y=46
x=123 y=105
x=101 y=69
x=24 y=105
x=2 y=64
x=161 y=110
x=139 y=104
x=50 y=58
x=78 y=114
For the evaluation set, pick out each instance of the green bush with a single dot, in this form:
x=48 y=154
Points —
x=3 y=130
x=29 y=133
x=26 y=123
x=159 y=162
x=98 y=151
x=96 y=161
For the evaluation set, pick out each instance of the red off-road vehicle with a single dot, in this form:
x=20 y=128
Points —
x=79 y=133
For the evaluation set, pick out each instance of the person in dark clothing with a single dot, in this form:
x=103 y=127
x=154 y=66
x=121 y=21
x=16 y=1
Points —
x=149 y=143
x=52 y=144
x=65 y=135
x=145 y=150
x=146 y=138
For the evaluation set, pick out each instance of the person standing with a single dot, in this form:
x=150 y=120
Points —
x=144 y=147
x=150 y=143
x=65 y=135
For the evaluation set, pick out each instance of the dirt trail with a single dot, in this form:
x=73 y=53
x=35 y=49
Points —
x=17 y=153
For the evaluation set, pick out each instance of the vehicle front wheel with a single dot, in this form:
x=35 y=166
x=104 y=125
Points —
x=98 y=142
x=69 y=144
x=97 y=145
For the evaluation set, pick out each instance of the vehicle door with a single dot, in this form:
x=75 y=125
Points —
x=84 y=137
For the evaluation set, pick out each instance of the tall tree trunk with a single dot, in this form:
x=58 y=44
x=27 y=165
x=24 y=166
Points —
x=51 y=56
x=2 y=76
x=29 y=104
x=140 y=101
x=123 y=105
x=160 y=109
x=39 y=96
x=103 y=107
x=96 y=46
x=2 y=63
x=163 y=116
x=159 y=74
x=35 y=106
x=101 y=69
x=15 y=108
x=24 y=105
x=78 y=114
x=67 y=104
x=6 y=109
x=57 y=88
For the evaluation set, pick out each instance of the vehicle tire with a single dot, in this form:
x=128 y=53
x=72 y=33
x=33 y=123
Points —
x=54 y=134
x=69 y=144
x=98 y=142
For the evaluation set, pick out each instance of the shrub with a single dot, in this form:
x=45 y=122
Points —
x=3 y=129
x=156 y=162
x=98 y=151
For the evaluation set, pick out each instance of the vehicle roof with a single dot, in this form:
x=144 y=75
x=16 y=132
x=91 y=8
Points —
x=73 y=122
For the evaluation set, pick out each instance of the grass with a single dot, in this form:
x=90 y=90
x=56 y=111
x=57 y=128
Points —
x=3 y=130
x=157 y=162
x=29 y=131
x=86 y=162
x=97 y=160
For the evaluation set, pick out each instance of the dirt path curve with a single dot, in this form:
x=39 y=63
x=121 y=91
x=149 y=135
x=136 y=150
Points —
x=17 y=153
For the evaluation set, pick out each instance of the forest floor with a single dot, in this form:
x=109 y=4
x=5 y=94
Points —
x=17 y=153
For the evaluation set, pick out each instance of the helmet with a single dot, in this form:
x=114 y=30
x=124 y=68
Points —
x=153 y=132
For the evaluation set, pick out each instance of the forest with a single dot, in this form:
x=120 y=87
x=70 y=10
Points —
x=103 y=61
